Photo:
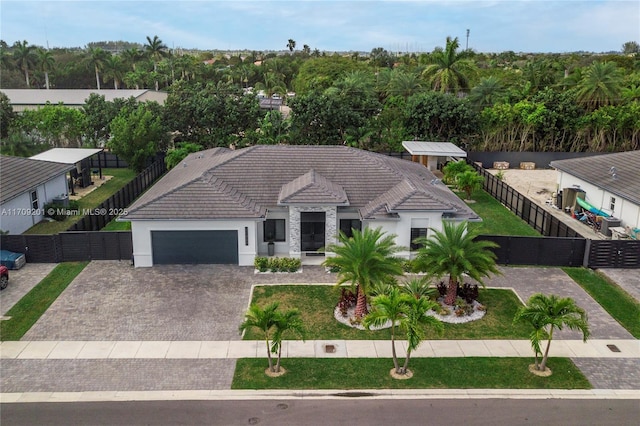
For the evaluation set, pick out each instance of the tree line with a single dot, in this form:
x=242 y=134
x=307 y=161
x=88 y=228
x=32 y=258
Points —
x=480 y=101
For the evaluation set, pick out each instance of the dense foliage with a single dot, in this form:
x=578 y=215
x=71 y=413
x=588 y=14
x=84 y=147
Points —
x=480 y=101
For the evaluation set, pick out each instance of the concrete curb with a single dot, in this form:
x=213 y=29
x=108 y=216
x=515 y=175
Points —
x=204 y=395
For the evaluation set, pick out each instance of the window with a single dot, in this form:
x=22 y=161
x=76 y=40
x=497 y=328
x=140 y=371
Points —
x=612 y=204
x=348 y=225
x=274 y=230
x=417 y=233
x=34 y=200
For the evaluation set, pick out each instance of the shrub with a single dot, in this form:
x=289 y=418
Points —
x=261 y=263
x=347 y=300
x=468 y=292
x=442 y=288
x=277 y=264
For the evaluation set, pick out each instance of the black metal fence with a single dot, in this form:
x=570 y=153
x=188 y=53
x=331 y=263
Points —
x=547 y=251
x=107 y=160
x=71 y=246
x=114 y=206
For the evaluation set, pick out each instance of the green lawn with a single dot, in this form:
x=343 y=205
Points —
x=317 y=302
x=497 y=219
x=617 y=302
x=114 y=225
x=92 y=200
x=428 y=373
x=30 y=308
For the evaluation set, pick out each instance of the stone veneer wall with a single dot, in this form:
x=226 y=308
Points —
x=330 y=227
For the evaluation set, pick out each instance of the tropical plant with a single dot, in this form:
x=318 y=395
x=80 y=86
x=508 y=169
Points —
x=454 y=251
x=291 y=44
x=418 y=287
x=363 y=260
x=548 y=313
x=287 y=322
x=25 y=58
x=449 y=71
x=182 y=149
x=97 y=59
x=114 y=70
x=155 y=49
x=469 y=182
x=601 y=85
x=452 y=169
x=404 y=312
x=46 y=63
x=489 y=91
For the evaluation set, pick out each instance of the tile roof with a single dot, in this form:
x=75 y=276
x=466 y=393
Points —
x=312 y=188
x=617 y=173
x=228 y=184
x=18 y=175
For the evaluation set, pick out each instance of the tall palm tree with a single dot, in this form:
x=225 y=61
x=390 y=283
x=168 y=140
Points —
x=454 y=252
x=156 y=50
x=363 y=260
x=406 y=313
x=449 y=71
x=97 y=59
x=548 y=313
x=46 y=62
x=291 y=44
x=601 y=85
x=114 y=69
x=25 y=58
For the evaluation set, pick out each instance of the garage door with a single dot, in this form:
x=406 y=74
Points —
x=191 y=247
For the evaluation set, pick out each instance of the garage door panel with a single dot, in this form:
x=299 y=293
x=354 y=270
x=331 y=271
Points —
x=194 y=247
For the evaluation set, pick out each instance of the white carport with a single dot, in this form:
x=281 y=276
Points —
x=81 y=175
x=428 y=153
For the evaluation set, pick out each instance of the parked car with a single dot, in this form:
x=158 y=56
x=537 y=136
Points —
x=12 y=260
x=4 y=277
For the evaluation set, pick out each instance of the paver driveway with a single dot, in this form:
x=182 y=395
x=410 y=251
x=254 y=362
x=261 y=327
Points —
x=111 y=300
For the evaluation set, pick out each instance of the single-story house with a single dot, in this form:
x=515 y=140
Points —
x=28 y=99
x=26 y=186
x=611 y=182
x=229 y=206
x=430 y=154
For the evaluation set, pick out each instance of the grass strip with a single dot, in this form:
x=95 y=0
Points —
x=428 y=373
x=317 y=302
x=497 y=219
x=30 y=308
x=617 y=302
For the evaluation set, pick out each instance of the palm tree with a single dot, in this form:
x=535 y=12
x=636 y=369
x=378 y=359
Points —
x=455 y=252
x=405 y=312
x=114 y=69
x=469 y=182
x=291 y=44
x=365 y=259
x=601 y=85
x=448 y=70
x=25 y=58
x=452 y=169
x=264 y=320
x=404 y=84
x=156 y=50
x=418 y=287
x=286 y=322
x=46 y=62
x=547 y=313
x=97 y=59
x=489 y=91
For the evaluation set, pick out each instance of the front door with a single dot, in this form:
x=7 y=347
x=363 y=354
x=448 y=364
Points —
x=312 y=229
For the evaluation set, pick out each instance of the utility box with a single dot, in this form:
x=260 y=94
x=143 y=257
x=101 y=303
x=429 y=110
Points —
x=607 y=224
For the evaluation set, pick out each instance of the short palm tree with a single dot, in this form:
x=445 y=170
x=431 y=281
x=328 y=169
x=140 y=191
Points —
x=469 y=182
x=547 y=313
x=363 y=260
x=264 y=319
x=286 y=322
x=455 y=252
x=418 y=287
x=452 y=169
x=406 y=313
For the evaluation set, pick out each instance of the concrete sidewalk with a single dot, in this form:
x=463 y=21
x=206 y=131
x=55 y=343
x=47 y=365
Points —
x=233 y=349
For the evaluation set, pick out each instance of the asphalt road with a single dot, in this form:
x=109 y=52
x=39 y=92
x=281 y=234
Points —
x=365 y=412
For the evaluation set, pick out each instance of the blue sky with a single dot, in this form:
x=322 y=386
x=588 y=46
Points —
x=331 y=25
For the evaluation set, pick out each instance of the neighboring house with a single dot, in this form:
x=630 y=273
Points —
x=27 y=99
x=226 y=206
x=26 y=185
x=611 y=182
